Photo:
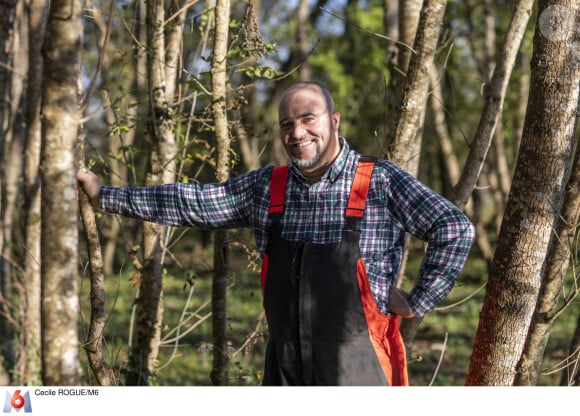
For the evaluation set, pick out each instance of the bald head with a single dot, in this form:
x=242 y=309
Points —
x=314 y=87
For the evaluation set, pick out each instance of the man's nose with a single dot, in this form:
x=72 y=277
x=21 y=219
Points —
x=298 y=129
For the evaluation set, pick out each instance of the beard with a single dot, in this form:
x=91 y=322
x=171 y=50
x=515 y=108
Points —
x=308 y=163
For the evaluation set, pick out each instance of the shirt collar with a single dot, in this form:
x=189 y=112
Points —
x=336 y=168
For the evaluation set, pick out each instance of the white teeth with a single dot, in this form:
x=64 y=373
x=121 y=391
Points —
x=302 y=144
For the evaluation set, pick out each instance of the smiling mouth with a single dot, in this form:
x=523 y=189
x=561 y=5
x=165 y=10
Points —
x=303 y=143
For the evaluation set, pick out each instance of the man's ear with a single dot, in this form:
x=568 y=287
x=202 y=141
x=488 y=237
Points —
x=335 y=119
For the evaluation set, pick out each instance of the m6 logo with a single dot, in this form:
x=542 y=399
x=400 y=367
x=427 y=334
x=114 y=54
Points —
x=17 y=402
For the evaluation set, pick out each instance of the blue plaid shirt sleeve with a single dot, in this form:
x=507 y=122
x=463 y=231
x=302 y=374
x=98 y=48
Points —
x=228 y=204
x=448 y=232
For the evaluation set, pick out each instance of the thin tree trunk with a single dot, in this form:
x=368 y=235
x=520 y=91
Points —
x=405 y=139
x=29 y=361
x=571 y=373
x=117 y=144
x=248 y=146
x=303 y=40
x=221 y=237
x=440 y=124
x=7 y=18
x=494 y=98
x=94 y=343
x=59 y=239
x=498 y=172
x=449 y=157
x=161 y=169
x=531 y=212
x=391 y=27
x=249 y=141
x=409 y=13
x=11 y=179
x=118 y=149
x=523 y=92
x=13 y=71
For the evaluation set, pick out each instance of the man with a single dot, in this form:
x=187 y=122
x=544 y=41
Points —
x=331 y=228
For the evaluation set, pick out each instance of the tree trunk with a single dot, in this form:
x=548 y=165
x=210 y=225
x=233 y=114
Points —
x=303 y=40
x=242 y=130
x=494 y=98
x=94 y=343
x=531 y=212
x=221 y=237
x=59 y=238
x=161 y=169
x=409 y=13
x=12 y=75
x=391 y=27
x=498 y=172
x=120 y=160
x=571 y=373
x=557 y=262
x=405 y=139
x=449 y=157
x=29 y=361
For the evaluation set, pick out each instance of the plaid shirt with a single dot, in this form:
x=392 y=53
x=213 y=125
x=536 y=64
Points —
x=396 y=203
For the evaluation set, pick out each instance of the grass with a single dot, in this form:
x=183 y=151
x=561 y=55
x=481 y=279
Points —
x=440 y=354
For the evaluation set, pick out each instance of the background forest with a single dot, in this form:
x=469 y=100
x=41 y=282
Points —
x=478 y=99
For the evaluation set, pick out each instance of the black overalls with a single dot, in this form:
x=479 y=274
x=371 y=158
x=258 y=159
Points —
x=325 y=327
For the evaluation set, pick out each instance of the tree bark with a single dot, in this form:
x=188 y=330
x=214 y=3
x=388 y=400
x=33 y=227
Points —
x=13 y=69
x=161 y=169
x=531 y=211
x=94 y=343
x=120 y=160
x=404 y=145
x=557 y=262
x=29 y=361
x=221 y=237
x=494 y=97
x=391 y=27
x=409 y=13
x=59 y=238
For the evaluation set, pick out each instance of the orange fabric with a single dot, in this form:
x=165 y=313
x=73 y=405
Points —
x=383 y=330
x=278 y=189
x=384 y=333
x=359 y=189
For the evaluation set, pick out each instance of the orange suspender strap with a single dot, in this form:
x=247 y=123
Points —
x=360 y=187
x=278 y=189
x=277 y=197
x=358 y=193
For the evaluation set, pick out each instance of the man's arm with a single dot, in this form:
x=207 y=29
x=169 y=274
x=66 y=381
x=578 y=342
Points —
x=447 y=231
x=229 y=204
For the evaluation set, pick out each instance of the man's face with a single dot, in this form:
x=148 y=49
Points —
x=308 y=128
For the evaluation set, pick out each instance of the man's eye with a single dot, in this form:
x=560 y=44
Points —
x=308 y=120
x=286 y=126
